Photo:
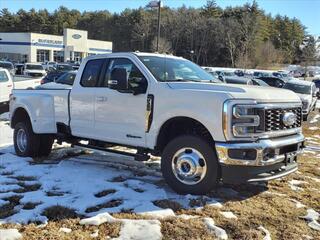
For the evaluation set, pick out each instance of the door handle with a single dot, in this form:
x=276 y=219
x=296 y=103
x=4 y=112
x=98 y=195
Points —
x=101 y=99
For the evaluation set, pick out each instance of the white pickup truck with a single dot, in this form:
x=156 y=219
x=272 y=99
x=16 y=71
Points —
x=167 y=106
x=8 y=83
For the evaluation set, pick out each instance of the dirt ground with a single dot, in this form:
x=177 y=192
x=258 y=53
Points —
x=277 y=206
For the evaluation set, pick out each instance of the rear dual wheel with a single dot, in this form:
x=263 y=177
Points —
x=29 y=144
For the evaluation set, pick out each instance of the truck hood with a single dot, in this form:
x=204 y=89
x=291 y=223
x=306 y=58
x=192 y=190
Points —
x=237 y=91
x=305 y=97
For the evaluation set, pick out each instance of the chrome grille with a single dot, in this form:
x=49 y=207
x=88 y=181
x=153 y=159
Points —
x=273 y=118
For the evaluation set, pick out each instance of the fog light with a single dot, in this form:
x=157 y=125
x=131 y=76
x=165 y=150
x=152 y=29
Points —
x=268 y=153
x=242 y=154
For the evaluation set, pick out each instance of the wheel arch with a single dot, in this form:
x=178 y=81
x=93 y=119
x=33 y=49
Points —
x=20 y=114
x=180 y=125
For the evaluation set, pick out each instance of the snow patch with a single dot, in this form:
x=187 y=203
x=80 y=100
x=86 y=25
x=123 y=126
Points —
x=95 y=234
x=218 y=232
x=266 y=232
x=294 y=184
x=187 y=217
x=140 y=230
x=313 y=128
x=130 y=228
x=312 y=217
x=298 y=204
x=65 y=230
x=315 y=118
x=229 y=215
x=10 y=234
x=159 y=214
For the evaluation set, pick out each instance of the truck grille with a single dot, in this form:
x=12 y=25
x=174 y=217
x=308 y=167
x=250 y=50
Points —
x=273 y=118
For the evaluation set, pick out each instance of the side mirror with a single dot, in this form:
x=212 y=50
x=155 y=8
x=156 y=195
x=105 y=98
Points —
x=317 y=95
x=119 y=79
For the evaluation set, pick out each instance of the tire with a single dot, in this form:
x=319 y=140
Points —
x=26 y=142
x=174 y=159
x=305 y=117
x=46 y=141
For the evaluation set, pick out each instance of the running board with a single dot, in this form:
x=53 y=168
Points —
x=137 y=157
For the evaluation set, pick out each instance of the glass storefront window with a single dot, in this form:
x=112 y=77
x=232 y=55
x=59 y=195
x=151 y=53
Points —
x=42 y=55
x=58 y=56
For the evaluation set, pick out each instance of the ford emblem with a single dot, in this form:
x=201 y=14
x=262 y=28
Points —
x=289 y=119
x=76 y=36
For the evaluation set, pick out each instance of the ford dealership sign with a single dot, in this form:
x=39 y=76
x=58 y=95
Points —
x=76 y=36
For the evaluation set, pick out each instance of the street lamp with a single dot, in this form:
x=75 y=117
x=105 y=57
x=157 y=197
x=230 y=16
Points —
x=156 y=4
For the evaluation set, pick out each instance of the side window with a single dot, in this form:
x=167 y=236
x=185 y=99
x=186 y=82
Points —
x=3 y=76
x=135 y=77
x=91 y=73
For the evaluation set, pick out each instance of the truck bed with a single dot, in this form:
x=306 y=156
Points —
x=46 y=106
x=24 y=82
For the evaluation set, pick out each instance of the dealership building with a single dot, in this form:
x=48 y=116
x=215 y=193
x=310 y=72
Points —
x=74 y=45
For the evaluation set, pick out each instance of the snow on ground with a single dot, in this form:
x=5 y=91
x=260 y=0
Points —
x=315 y=118
x=266 y=232
x=218 y=232
x=90 y=184
x=130 y=228
x=312 y=219
x=10 y=234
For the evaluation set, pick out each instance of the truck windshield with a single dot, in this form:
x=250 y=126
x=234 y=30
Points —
x=297 y=88
x=34 y=67
x=175 y=69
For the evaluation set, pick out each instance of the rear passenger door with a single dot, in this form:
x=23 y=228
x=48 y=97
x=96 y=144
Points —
x=119 y=116
x=82 y=99
x=5 y=87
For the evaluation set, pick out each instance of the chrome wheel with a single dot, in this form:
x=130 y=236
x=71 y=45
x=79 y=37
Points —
x=189 y=166
x=22 y=140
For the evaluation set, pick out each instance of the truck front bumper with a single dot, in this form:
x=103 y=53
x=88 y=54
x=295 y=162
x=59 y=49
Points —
x=262 y=160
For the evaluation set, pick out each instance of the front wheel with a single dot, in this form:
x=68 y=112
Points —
x=189 y=165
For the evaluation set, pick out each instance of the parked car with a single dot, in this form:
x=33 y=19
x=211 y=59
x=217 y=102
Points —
x=49 y=65
x=66 y=78
x=51 y=77
x=259 y=82
x=273 y=81
x=141 y=100
x=9 y=66
x=33 y=70
x=238 y=80
x=259 y=74
x=56 y=72
x=307 y=91
x=6 y=86
x=18 y=68
x=317 y=83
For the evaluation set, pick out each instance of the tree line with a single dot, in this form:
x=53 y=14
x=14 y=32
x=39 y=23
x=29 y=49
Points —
x=242 y=36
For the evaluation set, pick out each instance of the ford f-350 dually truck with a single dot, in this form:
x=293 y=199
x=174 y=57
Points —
x=205 y=132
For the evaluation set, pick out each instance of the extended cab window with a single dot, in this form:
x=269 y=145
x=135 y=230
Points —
x=3 y=76
x=91 y=73
x=136 y=79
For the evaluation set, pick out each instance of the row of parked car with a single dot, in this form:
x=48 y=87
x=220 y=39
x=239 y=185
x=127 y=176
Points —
x=37 y=69
x=308 y=91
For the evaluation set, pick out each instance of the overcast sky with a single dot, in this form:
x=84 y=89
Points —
x=308 y=11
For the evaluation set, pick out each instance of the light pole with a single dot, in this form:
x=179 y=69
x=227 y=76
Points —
x=157 y=4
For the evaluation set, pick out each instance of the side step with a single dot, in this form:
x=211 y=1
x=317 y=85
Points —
x=139 y=156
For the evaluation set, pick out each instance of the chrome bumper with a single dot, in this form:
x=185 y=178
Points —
x=277 y=146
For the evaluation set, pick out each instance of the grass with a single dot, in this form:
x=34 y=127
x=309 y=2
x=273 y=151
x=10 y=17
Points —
x=104 y=193
x=57 y=213
x=108 y=204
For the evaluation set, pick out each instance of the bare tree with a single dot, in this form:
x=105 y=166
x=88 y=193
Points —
x=164 y=45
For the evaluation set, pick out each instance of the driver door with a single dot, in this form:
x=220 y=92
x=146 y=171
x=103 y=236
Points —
x=120 y=116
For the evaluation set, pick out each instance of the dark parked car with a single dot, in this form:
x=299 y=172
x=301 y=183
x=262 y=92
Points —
x=7 y=65
x=259 y=82
x=273 y=81
x=18 y=68
x=67 y=78
x=317 y=83
x=51 y=77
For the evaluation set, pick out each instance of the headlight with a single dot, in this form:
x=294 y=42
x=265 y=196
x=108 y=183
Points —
x=305 y=104
x=245 y=120
x=242 y=119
